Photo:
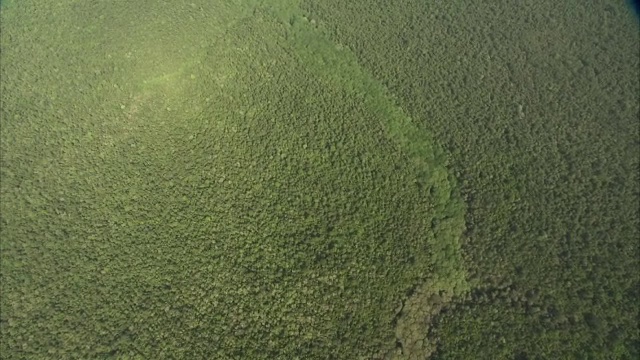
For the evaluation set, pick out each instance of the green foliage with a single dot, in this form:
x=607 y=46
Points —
x=255 y=194
x=536 y=103
x=319 y=179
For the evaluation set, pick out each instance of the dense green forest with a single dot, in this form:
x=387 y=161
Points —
x=298 y=179
x=537 y=105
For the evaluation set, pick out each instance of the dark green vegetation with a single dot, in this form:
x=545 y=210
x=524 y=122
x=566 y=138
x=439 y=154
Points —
x=249 y=180
x=537 y=103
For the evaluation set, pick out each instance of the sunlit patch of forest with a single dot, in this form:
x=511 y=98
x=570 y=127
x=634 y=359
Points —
x=301 y=179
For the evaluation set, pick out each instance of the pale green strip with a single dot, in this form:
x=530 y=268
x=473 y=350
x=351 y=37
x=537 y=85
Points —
x=340 y=65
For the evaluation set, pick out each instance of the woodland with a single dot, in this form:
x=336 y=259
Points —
x=298 y=179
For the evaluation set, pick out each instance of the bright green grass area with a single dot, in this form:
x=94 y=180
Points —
x=190 y=180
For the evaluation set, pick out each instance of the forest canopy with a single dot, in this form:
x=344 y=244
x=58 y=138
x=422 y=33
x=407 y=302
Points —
x=302 y=179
